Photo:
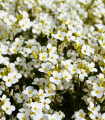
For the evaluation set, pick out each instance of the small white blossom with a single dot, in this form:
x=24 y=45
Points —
x=8 y=108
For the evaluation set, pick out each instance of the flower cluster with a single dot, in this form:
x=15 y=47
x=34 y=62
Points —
x=52 y=59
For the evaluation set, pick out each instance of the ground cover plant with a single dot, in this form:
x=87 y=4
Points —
x=52 y=59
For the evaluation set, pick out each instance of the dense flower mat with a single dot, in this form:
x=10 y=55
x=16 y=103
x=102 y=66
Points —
x=52 y=59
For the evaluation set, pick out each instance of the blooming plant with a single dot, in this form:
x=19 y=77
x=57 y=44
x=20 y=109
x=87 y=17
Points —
x=52 y=59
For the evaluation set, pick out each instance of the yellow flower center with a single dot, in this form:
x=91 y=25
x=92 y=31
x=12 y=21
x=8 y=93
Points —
x=59 y=113
x=60 y=36
x=9 y=80
x=41 y=94
x=102 y=79
x=65 y=76
x=35 y=108
x=74 y=69
x=21 y=97
x=74 y=60
x=56 y=78
x=43 y=57
x=76 y=34
x=7 y=108
x=81 y=72
x=52 y=57
x=103 y=44
x=49 y=91
x=37 y=29
x=97 y=91
x=41 y=119
x=29 y=92
x=66 y=65
x=102 y=119
x=82 y=34
x=49 y=29
x=84 y=51
x=45 y=69
x=92 y=81
x=23 y=25
x=91 y=68
x=14 y=76
x=92 y=108
x=24 y=118
x=81 y=115
x=44 y=103
x=3 y=100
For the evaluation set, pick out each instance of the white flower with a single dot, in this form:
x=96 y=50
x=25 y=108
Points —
x=69 y=35
x=43 y=56
x=16 y=76
x=60 y=35
x=12 y=78
x=8 y=80
x=37 y=107
x=47 y=30
x=102 y=69
x=87 y=50
x=73 y=69
x=46 y=67
x=10 y=20
x=82 y=74
x=3 y=14
x=29 y=91
x=8 y=108
x=53 y=117
x=37 y=29
x=79 y=115
x=24 y=14
x=20 y=61
x=75 y=60
x=30 y=3
x=20 y=97
x=66 y=75
x=93 y=116
x=37 y=116
x=103 y=116
x=56 y=77
x=102 y=43
x=46 y=102
x=93 y=109
x=101 y=77
x=26 y=51
x=53 y=58
x=25 y=24
x=91 y=67
x=92 y=80
x=60 y=115
x=22 y=116
x=97 y=91
x=51 y=48
x=50 y=91
x=41 y=94
x=4 y=98
x=66 y=63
